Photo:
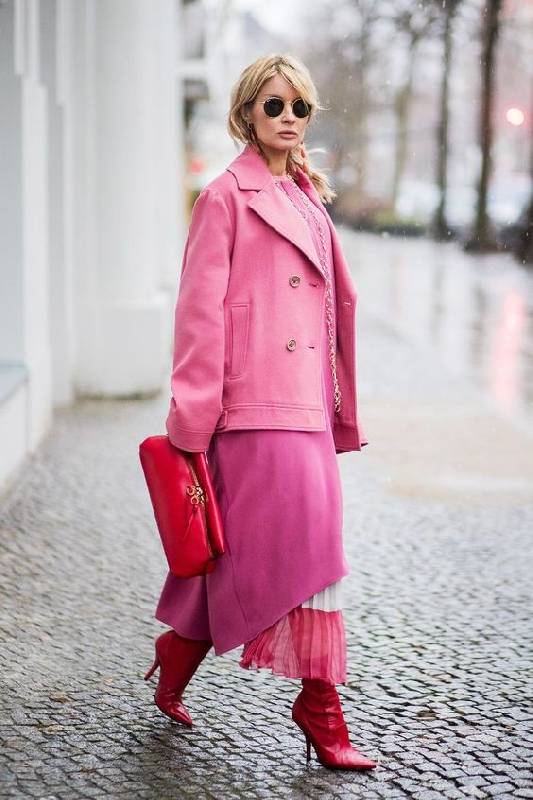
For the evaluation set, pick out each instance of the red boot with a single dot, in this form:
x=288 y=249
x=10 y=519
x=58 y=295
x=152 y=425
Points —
x=317 y=712
x=178 y=659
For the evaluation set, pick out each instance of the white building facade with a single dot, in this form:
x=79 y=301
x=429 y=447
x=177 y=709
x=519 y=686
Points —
x=92 y=207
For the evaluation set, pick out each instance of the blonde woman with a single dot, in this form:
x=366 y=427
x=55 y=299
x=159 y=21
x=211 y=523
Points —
x=264 y=381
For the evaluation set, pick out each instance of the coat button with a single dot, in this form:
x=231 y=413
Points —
x=291 y=344
x=294 y=280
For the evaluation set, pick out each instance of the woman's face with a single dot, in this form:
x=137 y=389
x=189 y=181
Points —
x=270 y=130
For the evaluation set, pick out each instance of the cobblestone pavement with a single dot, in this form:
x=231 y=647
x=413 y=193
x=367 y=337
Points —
x=438 y=521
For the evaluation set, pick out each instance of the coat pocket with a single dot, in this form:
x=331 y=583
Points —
x=239 y=325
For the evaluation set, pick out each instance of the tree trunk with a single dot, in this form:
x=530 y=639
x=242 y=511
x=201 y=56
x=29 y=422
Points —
x=402 y=103
x=440 y=229
x=482 y=238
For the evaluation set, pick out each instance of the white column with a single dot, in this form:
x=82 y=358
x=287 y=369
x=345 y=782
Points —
x=26 y=408
x=126 y=211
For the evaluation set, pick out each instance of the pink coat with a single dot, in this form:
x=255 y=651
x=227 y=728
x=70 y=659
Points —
x=250 y=283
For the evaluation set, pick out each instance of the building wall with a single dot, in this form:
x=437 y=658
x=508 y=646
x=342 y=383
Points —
x=92 y=217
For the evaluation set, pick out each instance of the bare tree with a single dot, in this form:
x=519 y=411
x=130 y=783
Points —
x=524 y=250
x=482 y=238
x=367 y=12
x=342 y=65
x=414 y=21
x=448 y=10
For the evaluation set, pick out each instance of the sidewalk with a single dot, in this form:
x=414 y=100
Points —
x=438 y=521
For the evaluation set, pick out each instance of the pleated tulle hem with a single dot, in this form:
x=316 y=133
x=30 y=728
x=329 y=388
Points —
x=305 y=643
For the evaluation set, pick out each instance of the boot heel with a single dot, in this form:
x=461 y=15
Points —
x=152 y=669
x=307 y=739
x=308 y=744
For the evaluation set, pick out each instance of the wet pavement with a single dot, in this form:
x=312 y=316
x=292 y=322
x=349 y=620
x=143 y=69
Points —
x=438 y=521
x=475 y=311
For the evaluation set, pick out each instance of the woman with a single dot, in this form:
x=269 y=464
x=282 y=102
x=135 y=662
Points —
x=264 y=380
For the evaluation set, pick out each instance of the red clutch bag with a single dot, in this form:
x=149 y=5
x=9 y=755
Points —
x=185 y=507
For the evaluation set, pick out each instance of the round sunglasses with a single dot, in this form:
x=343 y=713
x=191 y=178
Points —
x=273 y=107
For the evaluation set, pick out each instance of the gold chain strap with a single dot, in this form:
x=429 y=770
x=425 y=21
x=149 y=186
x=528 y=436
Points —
x=313 y=212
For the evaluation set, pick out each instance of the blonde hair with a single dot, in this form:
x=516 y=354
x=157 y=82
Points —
x=246 y=90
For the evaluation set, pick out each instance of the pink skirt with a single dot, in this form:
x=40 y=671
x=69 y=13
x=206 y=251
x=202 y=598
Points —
x=309 y=641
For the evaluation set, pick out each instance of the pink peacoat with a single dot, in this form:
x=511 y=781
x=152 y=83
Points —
x=249 y=317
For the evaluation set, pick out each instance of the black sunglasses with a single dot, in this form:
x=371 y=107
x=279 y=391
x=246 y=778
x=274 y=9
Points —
x=274 y=106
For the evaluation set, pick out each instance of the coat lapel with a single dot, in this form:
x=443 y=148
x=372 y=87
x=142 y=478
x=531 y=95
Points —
x=252 y=173
x=271 y=207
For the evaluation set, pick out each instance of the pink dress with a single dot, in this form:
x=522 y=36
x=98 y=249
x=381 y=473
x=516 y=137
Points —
x=276 y=590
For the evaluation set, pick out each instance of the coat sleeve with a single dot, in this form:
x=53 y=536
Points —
x=198 y=354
